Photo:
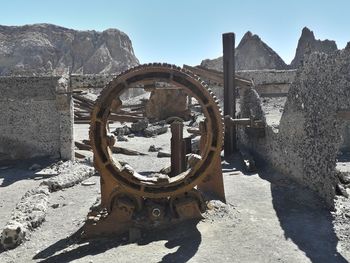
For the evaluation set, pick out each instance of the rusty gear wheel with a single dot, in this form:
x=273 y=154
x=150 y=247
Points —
x=112 y=171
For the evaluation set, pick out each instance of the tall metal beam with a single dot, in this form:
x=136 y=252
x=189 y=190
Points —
x=228 y=41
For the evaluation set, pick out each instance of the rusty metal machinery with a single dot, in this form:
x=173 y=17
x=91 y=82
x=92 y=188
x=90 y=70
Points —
x=130 y=200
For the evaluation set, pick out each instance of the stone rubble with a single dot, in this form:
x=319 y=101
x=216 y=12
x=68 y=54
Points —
x=31 y=210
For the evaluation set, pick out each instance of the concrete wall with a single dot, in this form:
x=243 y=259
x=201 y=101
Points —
x=36 y=117
x=307 y=142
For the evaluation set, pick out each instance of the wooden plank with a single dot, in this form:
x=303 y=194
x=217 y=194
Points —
x=124 y=118
x=82 y=146
x=217 y=76
x=194 y=131
x=117 y=149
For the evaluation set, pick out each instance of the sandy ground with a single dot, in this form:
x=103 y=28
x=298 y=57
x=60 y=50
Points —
x=270 y=222
x=269 y=219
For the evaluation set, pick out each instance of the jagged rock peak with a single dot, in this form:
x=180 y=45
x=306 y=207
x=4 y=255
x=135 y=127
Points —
x=251 y=53
x=51 y=49
x=307 y=33
x=249 y=36
x=307 y=44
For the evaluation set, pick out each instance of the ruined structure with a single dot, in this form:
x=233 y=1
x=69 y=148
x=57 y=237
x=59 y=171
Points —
x=305 y=142
x=36 y=117
x=296 y=121
x=167 y=102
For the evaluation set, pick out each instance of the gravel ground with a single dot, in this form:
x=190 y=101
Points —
x=266 y=219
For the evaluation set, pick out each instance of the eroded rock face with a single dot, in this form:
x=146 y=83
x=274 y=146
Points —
x=46 y=49
x=307 y=44
x=251 y=53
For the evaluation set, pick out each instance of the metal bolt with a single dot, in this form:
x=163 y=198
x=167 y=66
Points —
x=156 y=212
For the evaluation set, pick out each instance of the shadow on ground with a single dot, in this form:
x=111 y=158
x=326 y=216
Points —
x=185 y=236
x=15 y=170
x=302 y=215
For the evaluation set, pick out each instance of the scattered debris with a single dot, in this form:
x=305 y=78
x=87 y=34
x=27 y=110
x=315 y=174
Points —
x=31 y=210
x=344 y=177
x=28 y=214
x=88 y=183
x=341 y=190
x=69 y=178
x=153 y=148
x=219 y=210
x=155 y=130
x=85 y=145
x=121 y=138
x=54 y=206
x=139 y=126
x=125 y=151
x=79 y=155
x=163 y=154
x=82 y=108
x=121 y=131
x=13 y=235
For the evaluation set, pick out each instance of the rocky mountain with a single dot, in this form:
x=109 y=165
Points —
x=49 y=49
x=251 y=53
x=307 y=44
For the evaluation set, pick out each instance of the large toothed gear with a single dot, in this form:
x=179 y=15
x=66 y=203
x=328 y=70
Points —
x=112 y=172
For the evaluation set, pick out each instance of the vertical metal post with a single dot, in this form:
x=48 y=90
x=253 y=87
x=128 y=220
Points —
x=178 y=156
x=228 y=41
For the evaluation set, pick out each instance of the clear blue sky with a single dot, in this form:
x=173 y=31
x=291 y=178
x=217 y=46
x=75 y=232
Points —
x=187 y=31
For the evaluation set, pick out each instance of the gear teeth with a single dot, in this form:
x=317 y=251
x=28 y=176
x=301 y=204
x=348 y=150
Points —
x=206 y=92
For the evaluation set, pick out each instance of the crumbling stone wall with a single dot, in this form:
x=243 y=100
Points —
x=306 y=144
x=36 y=117
x=165 y=103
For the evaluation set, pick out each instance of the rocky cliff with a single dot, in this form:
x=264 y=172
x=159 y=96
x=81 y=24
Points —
x=308 y=44
x=49 y=49
x=251 y=53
